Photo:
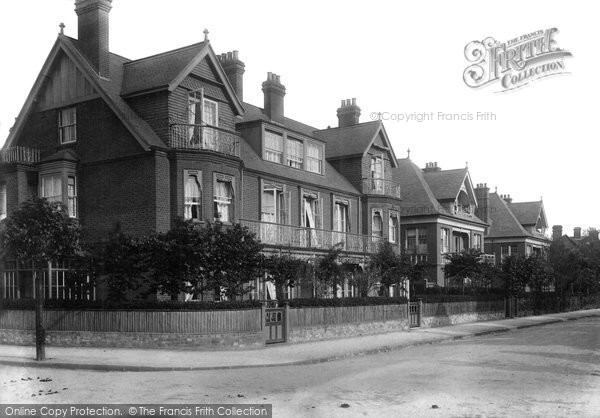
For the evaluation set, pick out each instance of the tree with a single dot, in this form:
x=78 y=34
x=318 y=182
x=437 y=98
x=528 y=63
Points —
x=463 y=266
x=284 y=270
x=126 y=261
x=386 y=264
x=232 y=257
x=40 y=232
x=365 y=281
x=328 y=272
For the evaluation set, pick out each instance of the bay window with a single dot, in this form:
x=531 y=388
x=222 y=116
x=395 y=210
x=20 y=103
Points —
x=377 y=224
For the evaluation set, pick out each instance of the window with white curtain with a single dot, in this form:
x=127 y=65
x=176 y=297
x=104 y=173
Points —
x=72 y=196
x=3 y=207
x=67 y=125
x=192 y=196
x=314 y=157
x=393 y=227
x=295 y=153
x=223 y=200
x=273 y=147
x=377 y=224
x=51 y=187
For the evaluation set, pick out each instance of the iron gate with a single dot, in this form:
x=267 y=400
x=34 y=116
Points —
x=275 y=328
x=414 y=313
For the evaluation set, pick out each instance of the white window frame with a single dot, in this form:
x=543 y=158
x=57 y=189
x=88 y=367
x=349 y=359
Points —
x=72 y=201
x=393 y=230
x=310 y=160
x=271 y=154
x=3 y=201
x=70 y=126
x=445 y=240
x=294 y=160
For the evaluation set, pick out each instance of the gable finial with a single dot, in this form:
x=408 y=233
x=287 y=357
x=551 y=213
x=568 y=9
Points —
x=62 y=28
x=205 y=35
x=466 y=164
x=408 y=153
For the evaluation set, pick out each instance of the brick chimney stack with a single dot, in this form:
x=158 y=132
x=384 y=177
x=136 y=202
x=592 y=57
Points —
x=506 y=198
x=577 y=232
x=93 y=31
x=348 y=113
x=234 y=68
x=593 y=233
x=557 y=232
x=482 y=193
x=432 y=167
x=274 y=93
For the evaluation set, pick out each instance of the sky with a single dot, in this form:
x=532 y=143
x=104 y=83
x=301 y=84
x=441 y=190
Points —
x=395 y=58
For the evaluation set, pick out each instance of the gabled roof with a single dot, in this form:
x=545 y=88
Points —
x=108 y=89
x=168 y=69
x=446 y=184
x=417 y=196
x=503 y=222
x=331 y=178
x=354 y=140
x=157 y=70
x=528 y=213
x=254 y=113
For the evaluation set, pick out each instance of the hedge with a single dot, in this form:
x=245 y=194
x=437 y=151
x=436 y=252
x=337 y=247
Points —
x=441 y=298
x=28 y=304
x=314 y=302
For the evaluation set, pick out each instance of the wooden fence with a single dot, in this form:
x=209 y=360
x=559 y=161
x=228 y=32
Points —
x=179 y=322
x=315 y=316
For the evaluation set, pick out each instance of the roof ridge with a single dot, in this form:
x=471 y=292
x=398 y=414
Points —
x=172 y=51
x=351 y=126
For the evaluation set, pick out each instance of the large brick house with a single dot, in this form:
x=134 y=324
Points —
x=132 y=145
x=515 y=228
x=439 y=215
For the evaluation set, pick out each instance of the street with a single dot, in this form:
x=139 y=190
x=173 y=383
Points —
x=551 y=370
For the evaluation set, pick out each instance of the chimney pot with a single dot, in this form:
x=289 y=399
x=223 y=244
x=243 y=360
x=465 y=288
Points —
x=274 y=93
x=354 y=101
x=235 y=54
x=577 y=232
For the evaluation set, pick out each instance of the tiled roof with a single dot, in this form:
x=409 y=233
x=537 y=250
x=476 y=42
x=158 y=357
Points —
x=157 y=70
x=446 y=184
x=526 y=212
x=62 y=155
x=417 y=196
x=503 y=223
x=332 y=178
x=112 y=92
x=253 y=113
x=350 y=140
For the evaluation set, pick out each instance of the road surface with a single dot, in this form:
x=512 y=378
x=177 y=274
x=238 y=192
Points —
x=548 y=371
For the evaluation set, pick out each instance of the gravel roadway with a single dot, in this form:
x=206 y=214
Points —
x=549 y=371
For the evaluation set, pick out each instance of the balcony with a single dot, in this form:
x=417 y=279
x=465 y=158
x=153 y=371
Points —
x=202 y=137
x=417 y=249
x=20 y=155
x=310 y=238
x=381 y=187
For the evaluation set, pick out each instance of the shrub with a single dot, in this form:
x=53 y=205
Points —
x=27 y=304
x=315 y=302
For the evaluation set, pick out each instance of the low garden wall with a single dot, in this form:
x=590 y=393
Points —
x=321 y=323
x=450 y=313
x=219 y=329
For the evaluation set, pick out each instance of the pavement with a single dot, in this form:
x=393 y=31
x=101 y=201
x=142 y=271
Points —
x=140 y=360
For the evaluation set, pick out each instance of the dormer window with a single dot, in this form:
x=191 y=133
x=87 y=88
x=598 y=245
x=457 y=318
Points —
x=67 y=125
x=314 y=158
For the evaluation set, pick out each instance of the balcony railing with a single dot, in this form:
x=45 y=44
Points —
x=303 y=237
x=381 y=187
x=22 y=155
x=418 y=249
x=201 y=137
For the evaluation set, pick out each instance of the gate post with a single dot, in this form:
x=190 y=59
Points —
x=420 y=310
x=286 y=322
x=263 y=315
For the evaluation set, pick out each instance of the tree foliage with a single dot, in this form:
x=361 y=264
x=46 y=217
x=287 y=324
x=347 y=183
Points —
x=40 y=231
x=285 y=271
x=469 y=270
